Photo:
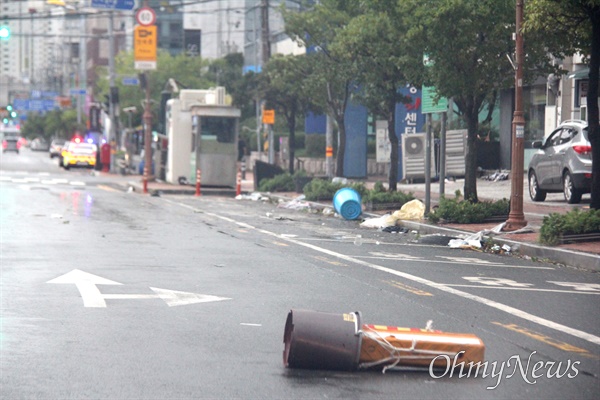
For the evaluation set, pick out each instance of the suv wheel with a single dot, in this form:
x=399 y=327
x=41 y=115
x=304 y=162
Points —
x=535 y=192
x=572 y=195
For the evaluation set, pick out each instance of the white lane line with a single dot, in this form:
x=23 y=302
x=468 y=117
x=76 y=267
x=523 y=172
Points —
x=521 y=288
x=77 y=183
x=473 y=262
x=249 y=324
x=444 y=288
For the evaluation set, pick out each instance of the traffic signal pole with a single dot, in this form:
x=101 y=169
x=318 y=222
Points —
x=516 y=218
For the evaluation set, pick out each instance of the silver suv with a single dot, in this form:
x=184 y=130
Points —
x=563 y=163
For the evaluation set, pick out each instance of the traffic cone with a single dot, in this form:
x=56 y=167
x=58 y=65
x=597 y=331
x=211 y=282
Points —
x=238 y=186
x=198 y=177
x=315 y=340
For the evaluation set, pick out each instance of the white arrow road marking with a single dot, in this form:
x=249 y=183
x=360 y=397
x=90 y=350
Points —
x=86 y=284
x=177 y=298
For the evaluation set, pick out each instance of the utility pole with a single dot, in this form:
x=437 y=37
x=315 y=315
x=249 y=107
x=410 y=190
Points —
x=265 y=55
x=147 y=134
x=266 y=43
x=112 y=87
x=83 y=69
x=516 y=218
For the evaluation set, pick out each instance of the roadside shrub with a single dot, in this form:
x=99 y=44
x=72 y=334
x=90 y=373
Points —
x=321 y=189
x=467 y=212
x=279 y=183
x=573 y=222
x=378 y=195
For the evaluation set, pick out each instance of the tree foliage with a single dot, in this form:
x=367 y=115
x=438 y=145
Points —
x=318 y=29
x=568 y=27
x=384 y=61
x=468 y=43
x=285 y=85
x=189 y=72
x=53 y=124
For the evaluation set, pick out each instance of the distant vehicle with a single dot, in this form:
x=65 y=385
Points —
x=56 y=147
x=39 y=144
x=563 y=163
x=79 y=155
x=11 y=143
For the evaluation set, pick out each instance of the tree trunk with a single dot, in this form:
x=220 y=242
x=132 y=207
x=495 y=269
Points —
x=593 y=113
x=393 y=173
x=472 y=119
x=292 y=140
x=341 y=150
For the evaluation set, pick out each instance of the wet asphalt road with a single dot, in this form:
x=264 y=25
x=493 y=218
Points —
x=118 y=327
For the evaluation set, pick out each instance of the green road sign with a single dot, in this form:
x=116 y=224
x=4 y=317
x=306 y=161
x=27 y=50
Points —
x=428 y=104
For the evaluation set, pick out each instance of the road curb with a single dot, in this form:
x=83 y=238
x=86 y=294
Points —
x=562 y=256
x=567 y=257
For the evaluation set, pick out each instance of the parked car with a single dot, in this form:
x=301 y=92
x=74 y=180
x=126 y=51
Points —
x=11 y=143
x=563 y=163
x=39 y=144
x=56 y=147
x=79 y=155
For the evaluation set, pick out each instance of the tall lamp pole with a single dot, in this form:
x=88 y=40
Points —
x=516 y=218
x=147 y=117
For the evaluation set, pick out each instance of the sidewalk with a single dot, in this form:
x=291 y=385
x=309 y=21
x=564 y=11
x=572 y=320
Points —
x=580 y=255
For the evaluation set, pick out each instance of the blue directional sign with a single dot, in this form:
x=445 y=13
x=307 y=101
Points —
x=75 y=92
x=34 y=105
x=130 y=81
x=114 y=4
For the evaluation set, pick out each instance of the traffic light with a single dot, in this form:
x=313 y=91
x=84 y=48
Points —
x=4 y=32
x=11 y=112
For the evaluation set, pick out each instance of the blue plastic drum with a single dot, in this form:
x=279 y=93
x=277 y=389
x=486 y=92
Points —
x=347 y=203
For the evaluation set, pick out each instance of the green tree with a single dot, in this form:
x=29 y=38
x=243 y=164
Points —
x=385 y=60
x=568 y=27
x=467 y=42
x=191 y=72
x=318 y=28
x=34 y=126
x=55 y=123
x=284 y=86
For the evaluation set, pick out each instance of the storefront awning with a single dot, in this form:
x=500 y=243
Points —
x=580 y=74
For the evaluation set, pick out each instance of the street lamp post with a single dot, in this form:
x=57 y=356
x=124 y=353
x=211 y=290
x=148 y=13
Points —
x=31 y=51
x=147 y=116
x=516 y=218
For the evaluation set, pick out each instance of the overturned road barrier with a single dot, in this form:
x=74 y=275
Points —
x=318 y=340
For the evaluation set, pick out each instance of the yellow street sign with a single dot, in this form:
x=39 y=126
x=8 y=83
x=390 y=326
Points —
x=144 y=41
x=268 y=117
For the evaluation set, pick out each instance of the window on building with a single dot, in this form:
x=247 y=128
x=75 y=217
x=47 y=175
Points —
x=534 y=106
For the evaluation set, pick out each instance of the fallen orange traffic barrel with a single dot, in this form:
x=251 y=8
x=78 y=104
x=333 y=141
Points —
x=317 y=340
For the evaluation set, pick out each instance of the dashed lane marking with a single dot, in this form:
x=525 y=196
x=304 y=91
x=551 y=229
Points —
x=410 y=289
x=546 y=339
x=330 y=261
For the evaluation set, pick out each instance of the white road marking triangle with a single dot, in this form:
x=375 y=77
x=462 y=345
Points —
x=177 y=298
